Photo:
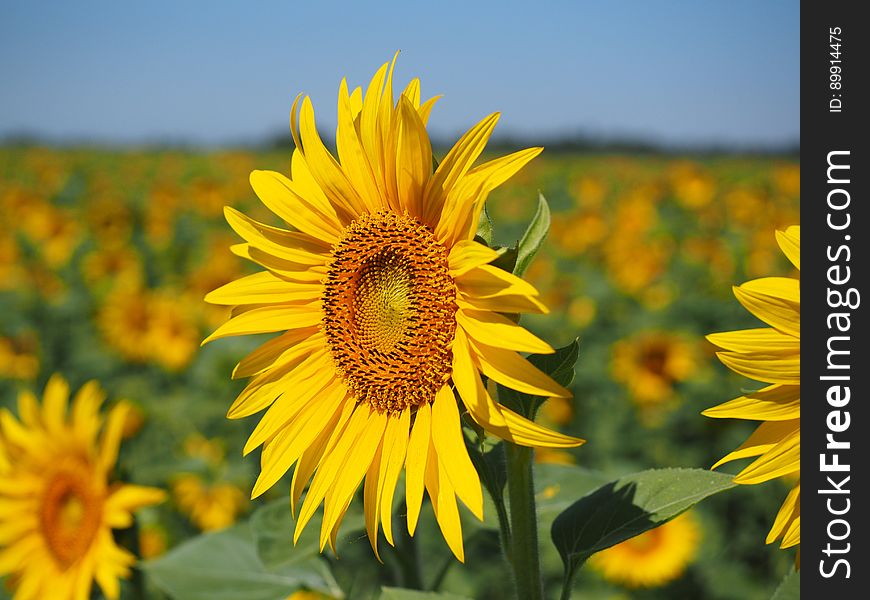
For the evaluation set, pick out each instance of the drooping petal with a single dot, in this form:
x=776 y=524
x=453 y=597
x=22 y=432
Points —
x=415 y=464
x=774 y=300
x=450 y=445
x=773 y=403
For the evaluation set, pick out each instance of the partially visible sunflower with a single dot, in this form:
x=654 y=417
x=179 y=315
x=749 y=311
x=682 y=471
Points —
x=651 y=559
x=57 y=504
x=210 y=506
x=770 y=355
x=389 y=309
x=651 y=362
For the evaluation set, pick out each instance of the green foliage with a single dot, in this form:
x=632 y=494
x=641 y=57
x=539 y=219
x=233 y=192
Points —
x=558 y=365
x=627 y=507
x=534 y=236
x=789 y=588
x=225 y=566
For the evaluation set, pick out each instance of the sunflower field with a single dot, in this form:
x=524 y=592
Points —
x=106 y=257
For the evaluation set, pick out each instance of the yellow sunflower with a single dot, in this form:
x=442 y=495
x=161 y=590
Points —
x=651 y=559
x=57 y=505
x=650 y=363
x=770 y=355
x=209 y=506
x=389 y=309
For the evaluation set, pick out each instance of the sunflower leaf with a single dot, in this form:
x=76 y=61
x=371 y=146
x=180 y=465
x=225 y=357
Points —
x=485 y=227
x=789 y=588
x=225 y=566
x=559 y=366
x=534 y=236
x=627 y=507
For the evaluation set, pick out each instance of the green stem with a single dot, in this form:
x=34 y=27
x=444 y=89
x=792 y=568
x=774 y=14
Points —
x=567 y=584
x=524 y=523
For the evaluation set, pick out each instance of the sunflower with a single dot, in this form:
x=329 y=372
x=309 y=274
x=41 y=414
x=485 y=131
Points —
x=209 y=506
x=57 y=506
x=650 y=363
x=651 y=559
x=770 y=355
x=389 y=309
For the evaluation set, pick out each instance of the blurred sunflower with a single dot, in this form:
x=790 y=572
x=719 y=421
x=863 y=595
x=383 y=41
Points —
x=388 y=305
x=209 y=506
x=57 y=505
x=652 y=559
x=19 y=356
x=650 y=363
x=770 y=355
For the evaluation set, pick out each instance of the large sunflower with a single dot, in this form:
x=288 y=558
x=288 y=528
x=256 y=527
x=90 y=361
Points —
x=57 y=506
x=771 y=355
x=389 y=309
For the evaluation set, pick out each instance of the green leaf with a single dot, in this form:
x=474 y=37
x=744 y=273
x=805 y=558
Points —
x=534 y=236
x=627 y=507
x=485 y=227
x=272 y=529
x=391 y=593
x=789 y=588
x=558 y=365
x=225 y=566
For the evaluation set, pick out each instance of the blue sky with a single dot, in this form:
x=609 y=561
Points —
x=226 y=72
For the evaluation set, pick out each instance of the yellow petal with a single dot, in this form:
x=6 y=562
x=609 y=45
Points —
x=769 y=368
x=354 y=465
x=263 y=288
x=765 y=437
x=450 y=446
x=782 y=459
x=352 y=154
x=774 y=300
x=54 y=403
x=310 y=382
x=395 y=449
x=111 y=439
x=287 y=245
x=415 y=464
x=335 y=458
x=513 y=371
x=372 y=500
x=468 y=254
x=765 y=340
x=495 y=330
x=786 y=513
x=277 y=351
x=487 y=281
x=269 y=319
x=773 y=403
x=524 y=432
x=444 y=503
x=414 y=157
x=455 y=165
x=467 y=380
x=324 y=168
x=283 y=198
x=509 y=304
x=790 y=243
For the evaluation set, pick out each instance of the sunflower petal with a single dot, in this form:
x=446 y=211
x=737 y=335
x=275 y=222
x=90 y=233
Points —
x=495 y=330
x=450 y=445
x=415 y=464
x=774 y=300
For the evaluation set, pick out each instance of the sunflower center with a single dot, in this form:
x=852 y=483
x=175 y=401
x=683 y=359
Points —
x=70 y=513
x=390 y=306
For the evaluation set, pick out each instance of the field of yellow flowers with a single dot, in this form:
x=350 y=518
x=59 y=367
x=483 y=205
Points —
x=105 y=257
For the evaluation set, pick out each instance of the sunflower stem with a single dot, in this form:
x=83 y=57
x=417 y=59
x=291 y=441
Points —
x=523 y=552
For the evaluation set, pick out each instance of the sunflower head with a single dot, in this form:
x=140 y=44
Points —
x=651 y=559
x=387 y=309
x=58 y=505
x=769 y=355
